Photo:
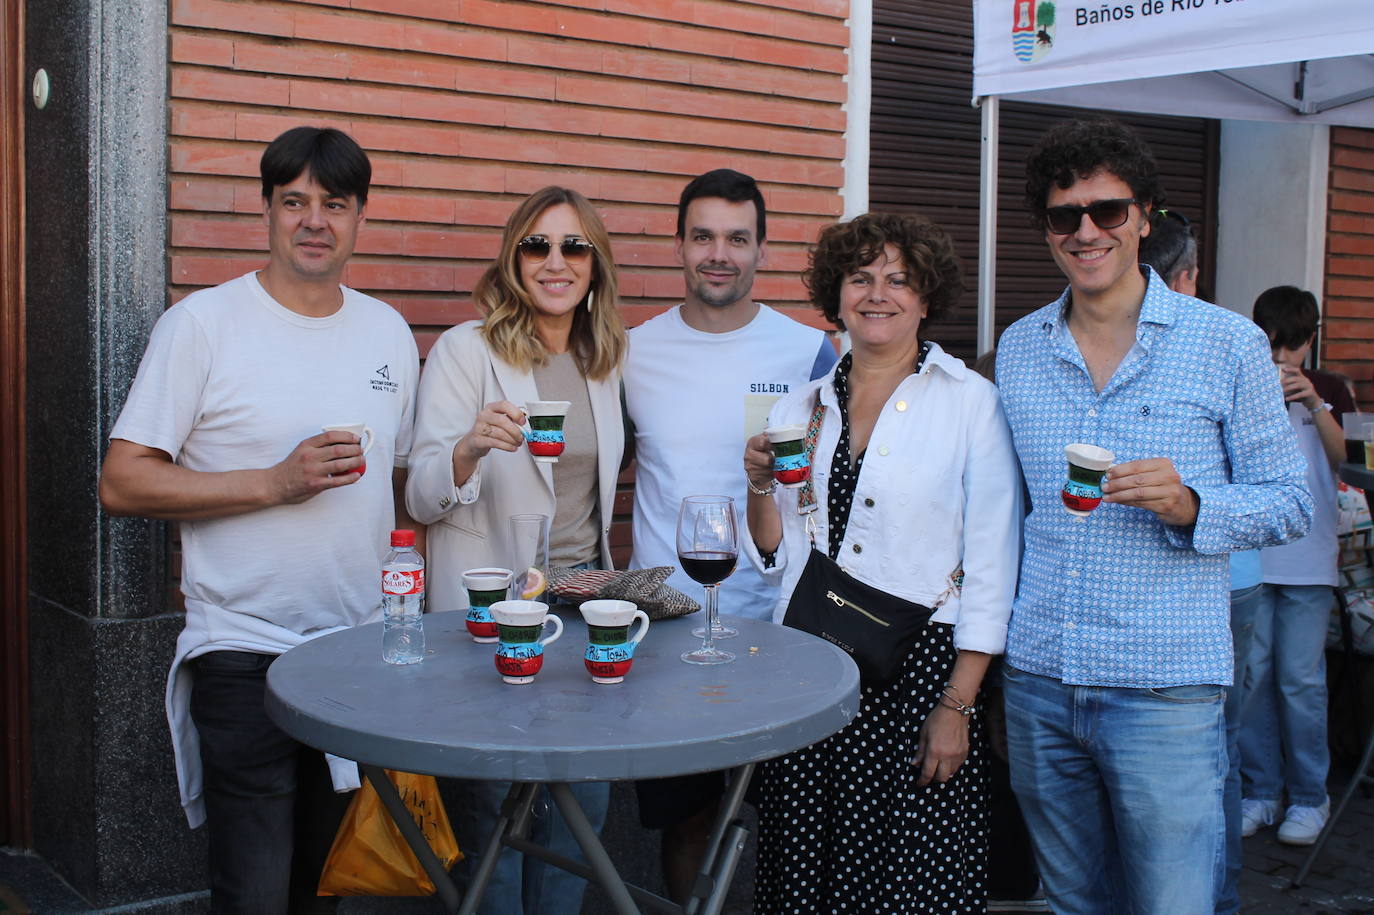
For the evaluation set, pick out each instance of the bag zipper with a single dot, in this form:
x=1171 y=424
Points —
x=841 y=602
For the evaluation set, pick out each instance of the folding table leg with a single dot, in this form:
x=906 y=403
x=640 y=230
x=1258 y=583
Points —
x=707 y=876
x=586 y=837
x=514 y=815
x=405 y=822
x=1362 y=775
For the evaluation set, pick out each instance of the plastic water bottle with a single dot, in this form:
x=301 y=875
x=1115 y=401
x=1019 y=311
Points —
x=403 y=601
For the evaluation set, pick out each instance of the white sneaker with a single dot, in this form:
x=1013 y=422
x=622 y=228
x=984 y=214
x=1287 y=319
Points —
x=1302 y=825
x=1255 y=813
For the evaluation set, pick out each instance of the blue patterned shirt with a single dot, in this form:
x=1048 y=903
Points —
x=1118 y=598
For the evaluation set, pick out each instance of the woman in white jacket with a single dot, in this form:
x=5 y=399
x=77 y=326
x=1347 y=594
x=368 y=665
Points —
x=915 y=480
x=552 y=331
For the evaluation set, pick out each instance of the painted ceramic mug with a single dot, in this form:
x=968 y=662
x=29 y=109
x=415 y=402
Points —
x=1082 y=490
x=365 y=438
x=545 y=419
x=485 y=587
x=610 y=648
x=791 y=466
x=520 y=650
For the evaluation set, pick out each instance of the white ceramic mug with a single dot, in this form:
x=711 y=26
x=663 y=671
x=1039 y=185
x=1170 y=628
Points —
x=520 y=651
x=610 y=647
x=362 y=430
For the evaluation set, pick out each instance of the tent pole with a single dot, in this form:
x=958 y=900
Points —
x=987 y=223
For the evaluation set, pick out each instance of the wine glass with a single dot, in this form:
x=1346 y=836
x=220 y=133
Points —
x=707 y=548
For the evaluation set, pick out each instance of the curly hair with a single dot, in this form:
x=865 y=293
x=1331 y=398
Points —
x=1076 y=149
x=598 y=338
x=926 y=250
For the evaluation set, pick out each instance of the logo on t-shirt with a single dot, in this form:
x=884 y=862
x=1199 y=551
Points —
x=385 y=383
x=768 y=387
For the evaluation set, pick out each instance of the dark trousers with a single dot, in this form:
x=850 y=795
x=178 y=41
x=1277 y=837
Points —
x=270 y=807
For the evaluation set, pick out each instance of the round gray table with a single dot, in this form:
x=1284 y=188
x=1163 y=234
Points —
x=452 y=715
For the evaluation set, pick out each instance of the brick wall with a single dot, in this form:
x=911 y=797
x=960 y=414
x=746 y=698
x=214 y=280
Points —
x=465 y=106
x=1348 y=304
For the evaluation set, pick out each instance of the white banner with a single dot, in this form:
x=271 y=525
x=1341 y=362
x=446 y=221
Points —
x=1026 y=46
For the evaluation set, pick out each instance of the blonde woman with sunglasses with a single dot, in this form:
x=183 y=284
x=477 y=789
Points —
x=551 y=331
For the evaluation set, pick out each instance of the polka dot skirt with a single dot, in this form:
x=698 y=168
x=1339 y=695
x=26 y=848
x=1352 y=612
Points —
x=842 y=825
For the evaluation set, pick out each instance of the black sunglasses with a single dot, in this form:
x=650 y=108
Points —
x=1106 y=214
x=537 y=248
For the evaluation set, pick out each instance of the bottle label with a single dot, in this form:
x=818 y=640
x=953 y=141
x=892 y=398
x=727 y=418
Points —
x=395 y=581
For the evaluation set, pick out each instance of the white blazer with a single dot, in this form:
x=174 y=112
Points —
x=469 y=525
x=940 y=488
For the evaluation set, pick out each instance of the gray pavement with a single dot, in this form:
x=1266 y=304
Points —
x=1342 y=881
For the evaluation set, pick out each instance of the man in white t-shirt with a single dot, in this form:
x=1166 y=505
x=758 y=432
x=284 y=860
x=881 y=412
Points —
x=699 y=380
x=283 y=530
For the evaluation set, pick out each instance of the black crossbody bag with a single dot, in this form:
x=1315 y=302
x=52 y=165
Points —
x=873 y=627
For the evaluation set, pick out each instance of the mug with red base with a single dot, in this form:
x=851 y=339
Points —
x=520 y=649
x=791 y=466
x=365 y=438
x=1082 y=491
x=485 y=587
x=610 y=647
x=545 y=437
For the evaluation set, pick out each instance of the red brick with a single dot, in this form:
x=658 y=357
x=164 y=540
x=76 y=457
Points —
x=400 y=206
x=454 y=42
x=600 y=154
x=689 y=40
x=555 y=118
x=199 y=232
x=1352 y=136
x=207 y=270
x=200 y=49
x=424 y=340
x=1336 y=307
x=1345 y=222
x=524 y=181
x=466 y=276
x=295 y=59
x=390 y=275
x=387 y=171
x=483 y=211
x=770 y=80
x=248 y=197
x=350 y=29
x=233 y=17
x=1350 y=287
x=229 y=87
x=656 y=222
x=195 y=193
x=461 y=176
x=789 y=54
x=399 y=137
x=616 y=93
x=1350 y=351
x=452 y=108
x=214 y=158
x=1352 y=180
x=345 y=97
x=504 y=80
x=511 y=17
x=629 y=62
x=418 y=9
x=1349 y=331
x=407 y=70
x=435 y=311
x=1352 y=157
x=733 y=106
x=451 y=243
x=817 y=203
x=505 y=146
x=1354 y=266
x=199 y=121
x=562 y=54
x=264 y=128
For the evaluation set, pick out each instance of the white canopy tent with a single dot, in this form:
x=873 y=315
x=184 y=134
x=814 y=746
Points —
x=1308 y=61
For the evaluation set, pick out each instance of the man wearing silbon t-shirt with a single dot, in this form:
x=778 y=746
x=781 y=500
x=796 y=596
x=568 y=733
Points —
x=283 y=533
x=699 y=380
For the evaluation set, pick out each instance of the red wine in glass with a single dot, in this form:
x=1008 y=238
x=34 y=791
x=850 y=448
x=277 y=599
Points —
x=707 y=567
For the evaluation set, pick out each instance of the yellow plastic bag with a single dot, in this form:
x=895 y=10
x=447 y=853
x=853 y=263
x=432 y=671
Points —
x=370 y=857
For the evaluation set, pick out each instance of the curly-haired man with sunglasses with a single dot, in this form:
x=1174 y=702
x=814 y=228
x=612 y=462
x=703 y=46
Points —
x=1119 y=650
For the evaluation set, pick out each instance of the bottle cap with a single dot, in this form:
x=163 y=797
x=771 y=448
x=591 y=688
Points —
x=402 y=538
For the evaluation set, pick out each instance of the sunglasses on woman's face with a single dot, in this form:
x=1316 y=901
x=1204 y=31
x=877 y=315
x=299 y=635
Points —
x=537 y=248
x=1105 y=214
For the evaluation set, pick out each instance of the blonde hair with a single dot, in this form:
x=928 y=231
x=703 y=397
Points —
x=597 y=341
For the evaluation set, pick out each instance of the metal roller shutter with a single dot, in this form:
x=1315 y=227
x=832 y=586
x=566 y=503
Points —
x=924 y=158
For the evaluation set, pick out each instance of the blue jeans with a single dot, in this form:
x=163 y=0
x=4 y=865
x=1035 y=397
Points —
x=520 y=885
x=1283 y=740
x=270 y=807
x=1244 y=604
x=1122 y=791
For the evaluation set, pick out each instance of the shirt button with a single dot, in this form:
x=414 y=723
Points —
x=868 y=503
x=1092 y=412
x=858 y=548
x=883 y=451
x=901 y=406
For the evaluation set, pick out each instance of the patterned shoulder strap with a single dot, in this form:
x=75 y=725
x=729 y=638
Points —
x=806 y=496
